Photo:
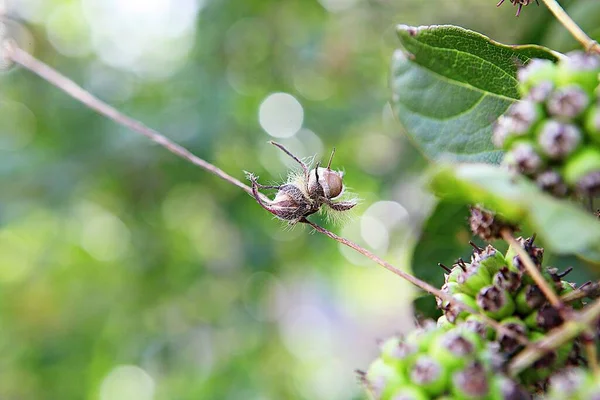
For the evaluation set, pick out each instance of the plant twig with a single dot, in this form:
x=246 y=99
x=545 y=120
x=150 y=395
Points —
x=23 y=58
x=578 y=322
x=415 y=281
x=591 y=352
x=60 y=81
x=533 y=271
x=588 y=43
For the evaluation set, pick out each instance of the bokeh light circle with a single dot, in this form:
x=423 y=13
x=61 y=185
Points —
x=281 y=115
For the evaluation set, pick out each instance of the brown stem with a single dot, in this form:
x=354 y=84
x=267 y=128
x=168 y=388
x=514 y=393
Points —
x=23 y=58
x=60 y=81
x=588 y=43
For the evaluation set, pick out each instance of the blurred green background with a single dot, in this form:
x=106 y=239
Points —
x=127 y=273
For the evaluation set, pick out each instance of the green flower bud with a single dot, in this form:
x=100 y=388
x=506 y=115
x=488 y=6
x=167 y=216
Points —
x=568 y=102
x=504 y=388
x=398 y=353
x=528 y=299
x=407 y=392
x=579 y=68
x=581 y=167
x=382 y=378
x=536 y=72
x=544 y=319
x=558 y=140
x=454 y=348
x=474 y=323
x=490 y=258
x=552 y=182
x=495 y=302
x=540 y=92
x=523 y=158
x=429 y=374
x=444 y=324
x=422 y=338
x=471 y=383
x=456 y=313
x=473 y=279
x=567 y=384
x=592 y=123
x=486 y=224
x=454 y=273
x=507 y=279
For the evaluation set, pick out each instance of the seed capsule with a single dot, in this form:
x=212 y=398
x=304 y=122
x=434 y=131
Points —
x=528 y=299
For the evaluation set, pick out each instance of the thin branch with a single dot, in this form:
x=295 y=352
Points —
x=23 y=58
x=533 y=271
x=60 y=81
x=415 y=281
x=569 y=330
x=588 y=43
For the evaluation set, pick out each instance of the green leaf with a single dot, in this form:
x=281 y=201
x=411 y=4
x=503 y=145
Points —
x=449 y=86
x=563 y=227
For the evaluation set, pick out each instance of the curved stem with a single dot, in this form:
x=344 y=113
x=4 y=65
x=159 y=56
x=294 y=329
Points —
x=587 y=42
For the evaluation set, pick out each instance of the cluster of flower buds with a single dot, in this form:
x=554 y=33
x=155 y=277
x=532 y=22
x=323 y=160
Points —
x=552 y=135
x=433 y=363
x=498 y=286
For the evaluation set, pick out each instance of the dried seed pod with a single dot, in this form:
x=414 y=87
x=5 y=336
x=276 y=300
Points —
x=471 y=383
x=528 y=299
x=507 y=279
x=487 y=225
x=509 y=344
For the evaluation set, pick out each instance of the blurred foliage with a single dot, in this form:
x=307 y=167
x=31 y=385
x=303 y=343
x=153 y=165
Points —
x=127 y=273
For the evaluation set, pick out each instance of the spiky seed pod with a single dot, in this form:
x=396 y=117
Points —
x=487 y=225
x=568 y=102
x=507 y=279
x=528 y=299
x=471 y=383
x=509 y=344
x=523 y=158
x=557 y=140
x=551 y=181
x=495 y=302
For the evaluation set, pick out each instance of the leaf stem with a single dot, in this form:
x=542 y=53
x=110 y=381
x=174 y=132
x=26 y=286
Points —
x=588 y=43
x=68 y=86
